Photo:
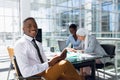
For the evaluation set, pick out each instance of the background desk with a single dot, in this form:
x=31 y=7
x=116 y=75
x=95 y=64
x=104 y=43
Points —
x=86 y=63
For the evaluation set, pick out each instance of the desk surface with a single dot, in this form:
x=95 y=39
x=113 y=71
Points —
x=75 y=57
x=81 y=57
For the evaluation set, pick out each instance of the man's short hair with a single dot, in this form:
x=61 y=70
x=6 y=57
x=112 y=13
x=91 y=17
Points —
x=29 y=18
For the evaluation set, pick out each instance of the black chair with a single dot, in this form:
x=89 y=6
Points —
x=19 y=75
x=110 y=50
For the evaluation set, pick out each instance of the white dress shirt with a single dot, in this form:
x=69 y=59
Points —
x=27 y=57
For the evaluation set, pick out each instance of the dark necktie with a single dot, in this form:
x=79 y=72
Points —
x=38 y=51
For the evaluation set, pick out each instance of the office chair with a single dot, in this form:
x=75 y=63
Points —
x=19 y=75
x=14 y=66
x=110 y=50
x=11 y=54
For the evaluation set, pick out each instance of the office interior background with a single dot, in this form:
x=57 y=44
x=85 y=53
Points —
x=100 y=17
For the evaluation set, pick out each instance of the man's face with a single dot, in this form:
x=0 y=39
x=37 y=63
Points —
x=30 y=28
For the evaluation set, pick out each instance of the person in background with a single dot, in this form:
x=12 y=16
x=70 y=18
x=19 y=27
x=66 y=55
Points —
x=31 y=65
x=89 y=44
x=73 y=39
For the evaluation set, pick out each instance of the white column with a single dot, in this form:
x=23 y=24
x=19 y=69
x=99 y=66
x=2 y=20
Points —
x=80 y=19
x=24 y=9
x=88 y=15
x=100 y=18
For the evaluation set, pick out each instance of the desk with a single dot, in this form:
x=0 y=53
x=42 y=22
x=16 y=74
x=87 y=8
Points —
x=86 y=63
x=86 y=60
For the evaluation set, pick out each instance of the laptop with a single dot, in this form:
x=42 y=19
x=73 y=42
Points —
x=61 y=44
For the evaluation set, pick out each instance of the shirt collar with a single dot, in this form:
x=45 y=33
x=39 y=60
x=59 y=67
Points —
x=28 y=37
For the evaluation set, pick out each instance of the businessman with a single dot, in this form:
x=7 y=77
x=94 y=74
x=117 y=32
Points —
x=33 y=62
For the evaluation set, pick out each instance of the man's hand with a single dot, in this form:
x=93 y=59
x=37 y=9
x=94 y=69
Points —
x=63 y=54
x=55 y=60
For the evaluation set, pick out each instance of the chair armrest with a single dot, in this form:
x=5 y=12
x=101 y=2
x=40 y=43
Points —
x=33 y=77
x=111 y=56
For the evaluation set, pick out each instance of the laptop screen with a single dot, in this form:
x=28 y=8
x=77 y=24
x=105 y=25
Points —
x=61 y=44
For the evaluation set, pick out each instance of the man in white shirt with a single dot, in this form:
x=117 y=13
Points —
x=29 y=62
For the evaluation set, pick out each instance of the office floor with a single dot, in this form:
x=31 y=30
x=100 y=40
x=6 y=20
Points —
x=5 y=63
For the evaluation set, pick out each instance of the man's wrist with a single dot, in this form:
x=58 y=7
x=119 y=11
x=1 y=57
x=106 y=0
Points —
x=49 y=63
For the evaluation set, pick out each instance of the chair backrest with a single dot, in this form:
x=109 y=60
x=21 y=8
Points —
x=61 y=44
x=10 y=52
x=16 y=67
x=13 y=59
x=109 y=49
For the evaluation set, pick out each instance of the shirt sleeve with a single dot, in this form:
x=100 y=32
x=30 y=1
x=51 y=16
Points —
x=68 y=41
x=26 y=68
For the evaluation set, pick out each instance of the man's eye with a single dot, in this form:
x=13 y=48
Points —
x=29 y=25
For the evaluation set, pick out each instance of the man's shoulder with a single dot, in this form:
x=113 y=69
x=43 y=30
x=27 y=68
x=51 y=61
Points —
x=21 y=41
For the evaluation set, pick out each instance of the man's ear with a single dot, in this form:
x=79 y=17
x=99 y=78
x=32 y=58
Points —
x=23 y=28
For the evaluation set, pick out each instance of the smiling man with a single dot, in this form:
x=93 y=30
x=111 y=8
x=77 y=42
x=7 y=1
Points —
x=33 y=62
